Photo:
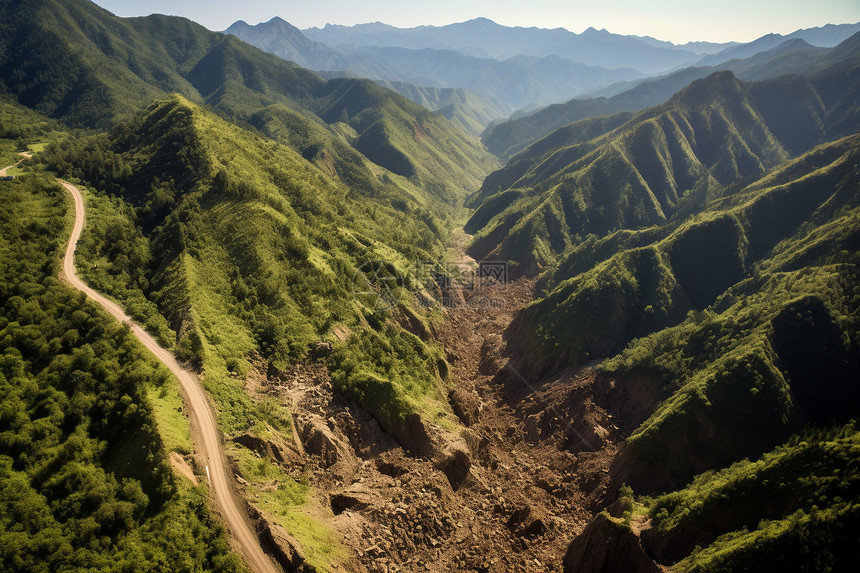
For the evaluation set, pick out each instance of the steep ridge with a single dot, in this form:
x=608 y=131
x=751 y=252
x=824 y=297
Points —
x=679 y=268
x=790 y=57
x=665 y=162
x=727 y=334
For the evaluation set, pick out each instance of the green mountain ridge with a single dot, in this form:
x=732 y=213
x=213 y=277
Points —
x=235 y=218
x=727 y=334
x=713 y=135
x=704 y=251
x=684 y=268
x=506 y=139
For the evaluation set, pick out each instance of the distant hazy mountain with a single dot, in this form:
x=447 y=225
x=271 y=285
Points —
x=520 y=81
x=516 y=82
x=696 y=47
x=592 y=47
x=281 y=38
x=825 y=37
x=464 y=107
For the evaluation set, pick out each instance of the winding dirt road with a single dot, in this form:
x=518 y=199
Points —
x=209 y=443
x=24 y=154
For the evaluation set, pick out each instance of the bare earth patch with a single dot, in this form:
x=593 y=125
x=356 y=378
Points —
x=536 y=471
x=180 y=464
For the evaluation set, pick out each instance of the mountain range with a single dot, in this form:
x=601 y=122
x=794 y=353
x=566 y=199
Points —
x=791 y=57
x=712 y=134
x=522 y=80
x=659 y=372
x=508 y=67
x=488 y=39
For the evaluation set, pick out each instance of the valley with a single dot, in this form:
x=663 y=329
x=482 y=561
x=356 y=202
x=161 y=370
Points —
x=255 y=317
x=527 y=480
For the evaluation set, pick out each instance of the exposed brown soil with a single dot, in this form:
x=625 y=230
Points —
x=180 y=464
x=535 y=469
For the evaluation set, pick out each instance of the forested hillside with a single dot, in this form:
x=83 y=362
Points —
x=660 y=166
x=795 y=56
x=84 y=476
x=266 y=252
x=705 y=252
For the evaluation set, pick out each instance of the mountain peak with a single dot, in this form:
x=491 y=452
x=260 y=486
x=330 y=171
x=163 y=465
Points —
x=591 y=30
x=481 y=20
x=708 y=88
x=237 y=25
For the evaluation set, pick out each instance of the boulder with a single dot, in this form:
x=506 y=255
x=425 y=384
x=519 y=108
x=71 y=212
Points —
x=266 y=449
x=318 y=440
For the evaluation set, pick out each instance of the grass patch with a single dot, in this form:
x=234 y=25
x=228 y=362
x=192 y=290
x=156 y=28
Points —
x=289 y=503
x=169 y=411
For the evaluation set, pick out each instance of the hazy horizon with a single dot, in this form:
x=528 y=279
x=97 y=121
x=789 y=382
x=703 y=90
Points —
x=670 y=20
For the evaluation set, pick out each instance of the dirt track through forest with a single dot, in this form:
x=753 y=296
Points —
x=208 y=441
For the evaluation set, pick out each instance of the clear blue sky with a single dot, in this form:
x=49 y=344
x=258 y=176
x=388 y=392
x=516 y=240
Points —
x=674 y=20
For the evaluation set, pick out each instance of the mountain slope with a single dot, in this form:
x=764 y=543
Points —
x=665 y=162
x=791 y=57
x=286 y=238
x=84 y=471
x=768 y=348
x=76 y=61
